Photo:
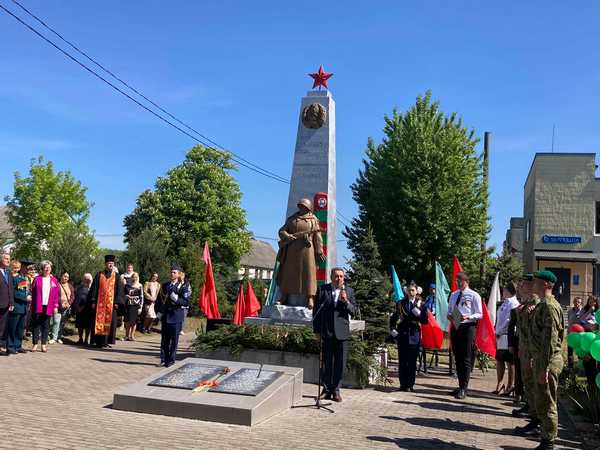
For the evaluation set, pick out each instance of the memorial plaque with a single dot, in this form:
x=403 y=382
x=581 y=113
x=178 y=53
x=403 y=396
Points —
x=188 y=376
x=247 y=382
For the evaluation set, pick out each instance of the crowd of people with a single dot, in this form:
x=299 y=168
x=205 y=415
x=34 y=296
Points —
x=529 y=336
x=36 y=304
x=585 y=316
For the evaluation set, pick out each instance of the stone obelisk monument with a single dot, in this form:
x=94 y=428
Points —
x=314 y=157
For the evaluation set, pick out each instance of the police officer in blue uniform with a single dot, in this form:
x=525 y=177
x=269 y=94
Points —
x=174 y=297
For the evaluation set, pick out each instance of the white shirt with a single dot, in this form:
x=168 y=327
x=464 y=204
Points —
x=336 y=295
x=502 y=320
x=45 y=290
x=469 y=305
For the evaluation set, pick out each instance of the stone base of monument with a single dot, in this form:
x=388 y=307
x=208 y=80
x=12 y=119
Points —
x=292 y=315
x=247 y=395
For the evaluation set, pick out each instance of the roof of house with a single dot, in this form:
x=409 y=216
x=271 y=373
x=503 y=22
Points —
x=261 y=255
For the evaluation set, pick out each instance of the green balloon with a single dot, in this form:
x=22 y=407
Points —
x=586 y=341
x=598 y=380
x=595 y=350
x=580 y=364
x=574 y=339
x=598 y=316
x=581 y=352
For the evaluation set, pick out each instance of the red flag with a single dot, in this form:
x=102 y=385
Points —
x=431 y=333
x=251 y=305
x=455 y=269
x=208 y=294
x=485 y=336
x=240 y=305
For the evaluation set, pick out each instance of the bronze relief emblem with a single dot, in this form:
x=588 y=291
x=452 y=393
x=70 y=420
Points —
x=314 y=115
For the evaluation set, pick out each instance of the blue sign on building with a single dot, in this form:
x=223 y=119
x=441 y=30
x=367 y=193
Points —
x=547 y=239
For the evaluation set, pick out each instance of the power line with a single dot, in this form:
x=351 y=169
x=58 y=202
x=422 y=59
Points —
x=128 y=85
x=203 y=139
x=84 y=66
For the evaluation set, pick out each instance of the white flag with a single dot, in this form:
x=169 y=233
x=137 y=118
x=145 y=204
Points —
x=494 y=299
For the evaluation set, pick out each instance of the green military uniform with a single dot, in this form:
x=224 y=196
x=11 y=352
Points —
x=523 y=321
x=545 y=347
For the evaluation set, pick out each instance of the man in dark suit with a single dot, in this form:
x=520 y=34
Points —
x=335 y=304
x=174 y=297
x=7 y=298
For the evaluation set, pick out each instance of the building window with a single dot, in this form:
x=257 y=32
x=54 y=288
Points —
x=597 y=217
x=528 y=230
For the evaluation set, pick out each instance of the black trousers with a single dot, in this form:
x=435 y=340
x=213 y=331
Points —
x=41 y=327
x=334 y=362
x=462 y=347
x=407 y=364
x=168 y=341
x=3 y=324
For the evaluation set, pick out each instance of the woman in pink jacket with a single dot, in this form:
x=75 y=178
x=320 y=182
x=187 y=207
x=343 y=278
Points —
x=45 y=293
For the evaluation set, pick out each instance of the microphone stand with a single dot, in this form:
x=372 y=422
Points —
x=318 y=403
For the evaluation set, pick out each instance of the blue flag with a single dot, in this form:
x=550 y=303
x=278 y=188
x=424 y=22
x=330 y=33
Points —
x=398 y=292
x=442 y=291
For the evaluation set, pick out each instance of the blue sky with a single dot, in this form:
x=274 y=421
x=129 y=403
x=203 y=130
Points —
x=236 y=71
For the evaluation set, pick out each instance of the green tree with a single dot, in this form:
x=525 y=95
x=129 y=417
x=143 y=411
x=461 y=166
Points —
x=422 y=191
x=43 y=204
x=197 y=201
x=148 y=253
x=73 y=250
x=508 y=266
x=371 y=288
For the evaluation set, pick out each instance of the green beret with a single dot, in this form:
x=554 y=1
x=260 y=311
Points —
x=545 y=275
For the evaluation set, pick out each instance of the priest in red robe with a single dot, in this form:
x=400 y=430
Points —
x=105 y=299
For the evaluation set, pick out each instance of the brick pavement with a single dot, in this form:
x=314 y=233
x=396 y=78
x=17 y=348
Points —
x=62 y=399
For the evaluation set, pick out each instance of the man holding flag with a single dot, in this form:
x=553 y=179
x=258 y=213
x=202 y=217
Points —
x=464 y=310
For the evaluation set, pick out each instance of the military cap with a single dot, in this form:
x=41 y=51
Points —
x=26 y=262
x=545 y=275
x=109 y=258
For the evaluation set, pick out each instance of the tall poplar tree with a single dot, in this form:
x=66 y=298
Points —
x=421 y=190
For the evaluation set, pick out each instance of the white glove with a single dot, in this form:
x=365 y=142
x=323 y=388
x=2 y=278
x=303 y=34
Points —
x=394 y=334
x=174 y=296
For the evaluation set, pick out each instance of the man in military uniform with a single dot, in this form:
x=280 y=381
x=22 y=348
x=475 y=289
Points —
x=529 y=301
x=545 y=347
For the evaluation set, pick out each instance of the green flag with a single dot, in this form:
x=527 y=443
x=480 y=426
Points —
x=442 y=292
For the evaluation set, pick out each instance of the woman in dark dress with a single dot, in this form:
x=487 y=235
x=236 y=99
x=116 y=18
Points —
x=83 y=312
x=134 y=299
x=406 y=330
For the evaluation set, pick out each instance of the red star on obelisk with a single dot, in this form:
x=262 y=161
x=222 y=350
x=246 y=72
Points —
x=320 y=78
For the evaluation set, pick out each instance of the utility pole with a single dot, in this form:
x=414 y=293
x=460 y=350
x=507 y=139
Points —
x=485 y=189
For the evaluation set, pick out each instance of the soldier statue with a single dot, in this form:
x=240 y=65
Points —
x=300 y=247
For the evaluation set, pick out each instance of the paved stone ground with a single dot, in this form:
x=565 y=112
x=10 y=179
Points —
x=62 y=399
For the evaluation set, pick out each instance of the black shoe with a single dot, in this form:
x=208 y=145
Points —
x=521 y=412
x=411 y=389
x=325 y=395
x=545 y=445
x=454 y=392
x=402 y=389
x=531 y=429
x=21 y=350
x=461 y=394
